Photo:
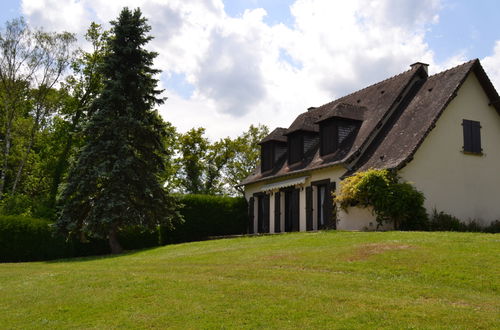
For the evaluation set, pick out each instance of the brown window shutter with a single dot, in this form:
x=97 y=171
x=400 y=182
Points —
x=476 y=136
x=467 y=127
x=250 y=214
x=328 y=206
x=277 y=212
x=295 y=210
x=265 y=224
x=309 y=209
x=333 y=210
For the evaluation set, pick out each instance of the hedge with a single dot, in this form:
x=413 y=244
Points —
x=29 y=239
x=208 y=215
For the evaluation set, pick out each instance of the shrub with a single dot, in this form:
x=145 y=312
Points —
x=28 y=239
x=392 y=200
x=445 y=222
x=494 y=227
x=441 y=221
x=208 y=215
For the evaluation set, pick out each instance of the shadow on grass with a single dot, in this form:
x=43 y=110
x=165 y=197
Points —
x=99 y=257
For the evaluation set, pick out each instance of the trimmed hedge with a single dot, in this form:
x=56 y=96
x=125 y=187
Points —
x=208 y=215
x=29 y=239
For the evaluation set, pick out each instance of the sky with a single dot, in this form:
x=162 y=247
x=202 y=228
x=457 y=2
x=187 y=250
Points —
x=227 y=64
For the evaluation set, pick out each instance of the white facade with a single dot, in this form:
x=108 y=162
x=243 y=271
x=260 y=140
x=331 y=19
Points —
x=464 y=185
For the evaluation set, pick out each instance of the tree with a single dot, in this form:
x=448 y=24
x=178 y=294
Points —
x=193 y=148
x=81 y=89
x=31 y=63
x=216 y=168
x=245 y=157
x=114 y=181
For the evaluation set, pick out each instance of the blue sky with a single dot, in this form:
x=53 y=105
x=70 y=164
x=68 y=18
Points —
x=249 y=61
x=464 y=25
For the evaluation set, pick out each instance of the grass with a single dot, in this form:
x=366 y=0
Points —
x=305 y=280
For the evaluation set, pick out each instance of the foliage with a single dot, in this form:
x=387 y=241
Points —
x=246 y=156
x=114 y=181
x=441 y=221
x=205 y=216
x=23 y=238
x=31 y=64
x=324 y=280
x=392 y=200
x=28 y=239
x=215 y=167
x=79 y=90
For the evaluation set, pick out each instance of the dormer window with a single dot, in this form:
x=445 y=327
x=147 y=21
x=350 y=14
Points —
x=333 y=132
x=272 y=147
x=295 y=148
x=267 y=156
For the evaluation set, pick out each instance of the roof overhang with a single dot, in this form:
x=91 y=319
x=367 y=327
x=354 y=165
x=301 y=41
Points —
x=285 y=183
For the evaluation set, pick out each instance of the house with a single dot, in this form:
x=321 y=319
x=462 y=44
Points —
x=439 y=132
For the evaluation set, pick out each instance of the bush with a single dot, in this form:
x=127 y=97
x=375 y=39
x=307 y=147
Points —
x=29 y=239
x=208 y=215
x=494 y=227
x=441 y=221
x=392 y=200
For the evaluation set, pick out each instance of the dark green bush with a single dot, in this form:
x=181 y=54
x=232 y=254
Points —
x=208 y=215
x=29 y=239
x=441 y=221
x=494 y=227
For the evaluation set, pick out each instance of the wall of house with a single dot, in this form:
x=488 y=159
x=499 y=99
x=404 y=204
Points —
x=464 y=185
x=357 y=218
x=332 y=173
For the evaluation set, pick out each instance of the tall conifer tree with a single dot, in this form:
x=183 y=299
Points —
x=114 y=180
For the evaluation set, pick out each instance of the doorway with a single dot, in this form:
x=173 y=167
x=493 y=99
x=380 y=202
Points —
x=292 y=198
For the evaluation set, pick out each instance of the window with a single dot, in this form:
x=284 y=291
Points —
x=472 y=136
x=267 y=157
x=328 y=138
x=296 y=148
x=333 y=133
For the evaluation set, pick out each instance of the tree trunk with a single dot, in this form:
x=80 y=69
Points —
x=114 y=244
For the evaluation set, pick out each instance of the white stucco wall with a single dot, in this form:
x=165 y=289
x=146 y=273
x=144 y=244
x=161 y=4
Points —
x=357 y=218
x=466 y=186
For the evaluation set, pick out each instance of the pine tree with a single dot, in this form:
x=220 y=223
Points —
x=114 y=180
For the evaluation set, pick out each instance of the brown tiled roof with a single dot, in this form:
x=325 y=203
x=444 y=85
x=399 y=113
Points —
x=398 y=113
x=276 y=135
x=345 y=110
x=404 y=134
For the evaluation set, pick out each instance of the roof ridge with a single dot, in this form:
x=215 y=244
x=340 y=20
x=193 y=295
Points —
x=454 y=68
x=362 y=89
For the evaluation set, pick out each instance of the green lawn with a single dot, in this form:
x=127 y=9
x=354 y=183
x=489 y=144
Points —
x=304 y=280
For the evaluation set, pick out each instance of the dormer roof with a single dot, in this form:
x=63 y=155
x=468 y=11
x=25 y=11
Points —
x=345 y=111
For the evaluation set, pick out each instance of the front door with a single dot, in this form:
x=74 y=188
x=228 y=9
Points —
x=292 y=210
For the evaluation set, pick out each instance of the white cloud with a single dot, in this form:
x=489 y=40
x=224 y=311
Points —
x=492 y=65
x=235 y=66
